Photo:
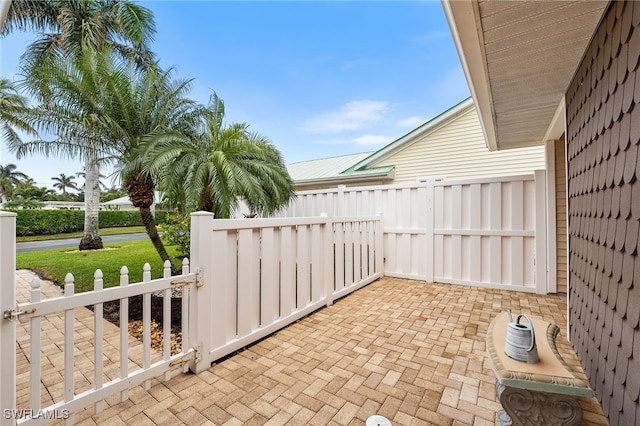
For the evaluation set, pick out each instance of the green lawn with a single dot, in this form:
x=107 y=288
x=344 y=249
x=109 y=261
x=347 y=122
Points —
x=55 y=264
x=103 y=232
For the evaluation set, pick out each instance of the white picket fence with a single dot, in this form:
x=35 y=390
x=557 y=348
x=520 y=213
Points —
x=37 y=309
x=248 y=279
x=488 y=232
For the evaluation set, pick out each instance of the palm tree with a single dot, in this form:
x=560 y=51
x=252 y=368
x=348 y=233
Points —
x=9 y=178
x=12 y=110
x=70 y=29
x=83 y=175
x=112 y=194
x=10 y=173
x=68 y=115
x=6 y=190
x=28 y=190
x=29 y=196
x=22 y=203
x=75 y=88
x=215 y=166
x=145 y=105
x=109 y=108
x=63 y=182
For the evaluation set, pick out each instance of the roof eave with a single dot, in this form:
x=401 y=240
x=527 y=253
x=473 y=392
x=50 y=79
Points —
x=519 y=59
x=464 y=22
x=338 y=180
x=4 y=11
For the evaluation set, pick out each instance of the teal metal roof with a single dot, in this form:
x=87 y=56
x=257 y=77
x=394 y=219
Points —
x=363 y=165
x=324 y=167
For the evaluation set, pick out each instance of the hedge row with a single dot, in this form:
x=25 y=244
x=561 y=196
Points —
x=49 y=222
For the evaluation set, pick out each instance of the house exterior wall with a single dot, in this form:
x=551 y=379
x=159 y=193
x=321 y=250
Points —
x=458 y=150
x=603 y=137
x=561 y=215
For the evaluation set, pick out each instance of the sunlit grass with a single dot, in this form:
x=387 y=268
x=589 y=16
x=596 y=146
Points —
x=55 y=264
x=103 y=232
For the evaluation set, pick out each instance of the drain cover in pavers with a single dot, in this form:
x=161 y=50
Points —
x=377 y=420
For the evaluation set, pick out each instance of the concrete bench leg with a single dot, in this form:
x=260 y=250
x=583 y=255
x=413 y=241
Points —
x=528 y=407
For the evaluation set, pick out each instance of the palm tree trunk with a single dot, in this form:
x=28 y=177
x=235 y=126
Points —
x=140 y=189
x=91 y=239
x=149 y=223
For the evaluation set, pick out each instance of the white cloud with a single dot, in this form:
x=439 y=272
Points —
x=411 y=121
x=353 y=115
x=370 y=140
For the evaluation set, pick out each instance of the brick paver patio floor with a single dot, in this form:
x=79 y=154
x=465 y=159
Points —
x=411 y=351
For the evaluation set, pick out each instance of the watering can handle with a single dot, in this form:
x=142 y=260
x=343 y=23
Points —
x=533 y=334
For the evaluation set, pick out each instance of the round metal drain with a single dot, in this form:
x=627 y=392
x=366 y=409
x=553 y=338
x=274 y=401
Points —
x=377 y=420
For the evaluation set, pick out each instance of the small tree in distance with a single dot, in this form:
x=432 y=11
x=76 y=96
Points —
x=62 y=182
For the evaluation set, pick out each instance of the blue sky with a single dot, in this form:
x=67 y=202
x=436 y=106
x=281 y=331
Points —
x=318 y=78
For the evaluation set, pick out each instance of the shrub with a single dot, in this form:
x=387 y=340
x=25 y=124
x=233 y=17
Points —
x=47 y=222
x=176 y=232
x=161 y=216
x=50 y=222
x=115 y=218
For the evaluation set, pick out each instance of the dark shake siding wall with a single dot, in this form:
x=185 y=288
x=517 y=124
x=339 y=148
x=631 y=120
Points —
x=603 y=137
x=561 y=216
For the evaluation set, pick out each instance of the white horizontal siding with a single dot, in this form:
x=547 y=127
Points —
x=458 y=150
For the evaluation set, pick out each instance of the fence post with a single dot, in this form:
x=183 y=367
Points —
x=379 y=249
x=328 y=257
x=200 y=311
x=429 y=244
x=340 y=201
x=7 y=303
x=541 y=232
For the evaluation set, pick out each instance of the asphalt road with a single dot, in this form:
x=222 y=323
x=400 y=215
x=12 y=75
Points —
x=73 y=242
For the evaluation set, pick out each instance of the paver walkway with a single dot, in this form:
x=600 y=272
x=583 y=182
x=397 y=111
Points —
x=411 y=351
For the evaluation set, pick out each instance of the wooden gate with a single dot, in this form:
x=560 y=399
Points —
x=484 y=233
x=64 y=354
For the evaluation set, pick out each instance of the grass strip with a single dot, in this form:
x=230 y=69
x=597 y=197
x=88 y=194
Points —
x=55 y=264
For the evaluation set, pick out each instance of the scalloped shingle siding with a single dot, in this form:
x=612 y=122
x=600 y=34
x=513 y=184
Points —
x=603 y=144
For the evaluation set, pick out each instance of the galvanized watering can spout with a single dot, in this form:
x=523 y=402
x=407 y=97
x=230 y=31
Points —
x=521 y=340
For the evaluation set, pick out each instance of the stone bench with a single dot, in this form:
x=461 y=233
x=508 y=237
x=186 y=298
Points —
x=545 y=393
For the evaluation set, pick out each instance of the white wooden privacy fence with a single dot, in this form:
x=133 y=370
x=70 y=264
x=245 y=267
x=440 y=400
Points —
x=254 y=276
x=488 y=232
x=267 y=273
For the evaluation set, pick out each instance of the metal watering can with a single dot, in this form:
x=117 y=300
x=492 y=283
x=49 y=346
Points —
x=521 y=340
